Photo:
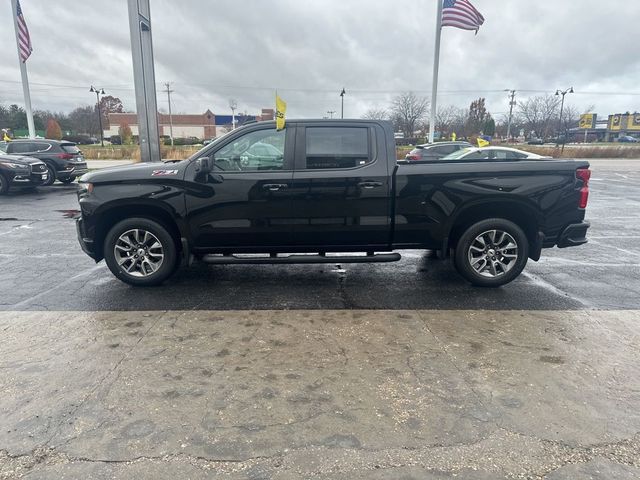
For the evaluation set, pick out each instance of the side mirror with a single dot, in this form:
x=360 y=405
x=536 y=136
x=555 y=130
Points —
x=204 y=164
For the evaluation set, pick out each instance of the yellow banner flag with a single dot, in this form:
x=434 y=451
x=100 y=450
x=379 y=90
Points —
x=6 y=137
x=482 y=142
x=281 y=109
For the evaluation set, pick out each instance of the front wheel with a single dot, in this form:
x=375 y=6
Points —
x=140 y=252
x=51 y=176
x=492 y=252
x=67 y=181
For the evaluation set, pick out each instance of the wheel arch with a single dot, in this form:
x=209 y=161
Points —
x=523 y=214
x=113 y=213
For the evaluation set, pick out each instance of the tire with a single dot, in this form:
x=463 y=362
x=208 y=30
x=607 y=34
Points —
x=52 y=176
x=127 y=239
x=4 y=185
x=67 y=181
x=504 y=253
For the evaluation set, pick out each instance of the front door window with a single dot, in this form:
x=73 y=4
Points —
x=255 y=151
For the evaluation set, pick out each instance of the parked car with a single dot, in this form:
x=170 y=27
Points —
x=63 y=160
x=535 y=141
x=493 y=153
x=336 y=188
x=21 y=172
x=434 y=151
x=115 y=140
x=627 y=139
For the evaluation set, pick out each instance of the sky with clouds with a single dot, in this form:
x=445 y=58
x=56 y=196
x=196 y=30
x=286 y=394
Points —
x=214 y=50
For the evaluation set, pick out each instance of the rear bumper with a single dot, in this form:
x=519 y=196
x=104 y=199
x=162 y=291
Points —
x=72 y=171
x=573 y=235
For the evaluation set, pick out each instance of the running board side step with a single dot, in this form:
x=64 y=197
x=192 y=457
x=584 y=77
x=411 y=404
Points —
x=248 y=260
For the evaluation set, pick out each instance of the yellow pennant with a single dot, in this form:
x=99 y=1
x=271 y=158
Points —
x=281 y=109
x=6 y=137
x=482 y=142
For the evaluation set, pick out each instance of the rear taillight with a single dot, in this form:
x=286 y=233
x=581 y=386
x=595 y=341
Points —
x=65 y=156
x=583 y=174
x=414 y=158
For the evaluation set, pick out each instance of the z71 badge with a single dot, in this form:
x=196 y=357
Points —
x=163 y=173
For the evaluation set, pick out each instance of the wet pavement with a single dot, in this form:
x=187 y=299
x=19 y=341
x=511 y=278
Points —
x=398 y=371
x=43 y=268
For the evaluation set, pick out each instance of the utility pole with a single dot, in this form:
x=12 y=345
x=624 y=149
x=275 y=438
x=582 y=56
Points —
x=233 y=104
x=98 y=92
x=331 y=112
x=512 y=103
x=342 y=94
x=168 y=91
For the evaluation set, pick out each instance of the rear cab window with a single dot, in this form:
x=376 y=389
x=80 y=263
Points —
x=337 y=147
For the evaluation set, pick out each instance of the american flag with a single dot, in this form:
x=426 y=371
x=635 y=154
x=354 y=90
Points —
x=24 y=40
x=461 y=14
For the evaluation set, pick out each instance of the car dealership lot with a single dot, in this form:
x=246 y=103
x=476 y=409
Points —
x=336 y=371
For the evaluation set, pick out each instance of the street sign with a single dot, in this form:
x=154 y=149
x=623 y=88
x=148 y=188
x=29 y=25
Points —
x=587 y=121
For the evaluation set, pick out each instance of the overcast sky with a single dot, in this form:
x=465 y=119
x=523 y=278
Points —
x=244 y=49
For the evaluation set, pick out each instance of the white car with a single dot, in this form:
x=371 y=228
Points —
x=492 y=153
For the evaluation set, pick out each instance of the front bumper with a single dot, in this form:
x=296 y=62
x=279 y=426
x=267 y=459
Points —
x=86 y=243
x=573 y=235
x=34 y=179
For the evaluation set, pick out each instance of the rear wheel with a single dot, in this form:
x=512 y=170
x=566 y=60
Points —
x=140 y=252
x=4 y=185
x=51 y=176
x=492 y=252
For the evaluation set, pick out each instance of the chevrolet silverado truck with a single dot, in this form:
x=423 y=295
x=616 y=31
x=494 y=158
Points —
x=328 y=191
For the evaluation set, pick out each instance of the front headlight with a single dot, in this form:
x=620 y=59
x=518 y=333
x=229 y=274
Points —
x=85 y=188
x=15 y=165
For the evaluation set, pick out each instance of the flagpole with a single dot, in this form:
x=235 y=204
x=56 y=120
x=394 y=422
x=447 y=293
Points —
x=23 y=73
x=436 y=65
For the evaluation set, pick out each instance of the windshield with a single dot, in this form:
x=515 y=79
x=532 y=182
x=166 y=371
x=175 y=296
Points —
x=459 y=154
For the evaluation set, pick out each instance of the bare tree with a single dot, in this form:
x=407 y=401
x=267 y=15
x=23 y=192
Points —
x=538 y=114
x=376 y=114
x=450 y=118
x=407 y=111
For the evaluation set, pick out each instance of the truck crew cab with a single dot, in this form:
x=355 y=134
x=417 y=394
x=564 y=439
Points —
x=325 y=186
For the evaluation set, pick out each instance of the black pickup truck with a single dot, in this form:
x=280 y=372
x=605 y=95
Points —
x=319 y=187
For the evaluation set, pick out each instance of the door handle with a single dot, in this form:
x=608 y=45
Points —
x=370 y=184
x=274 y=187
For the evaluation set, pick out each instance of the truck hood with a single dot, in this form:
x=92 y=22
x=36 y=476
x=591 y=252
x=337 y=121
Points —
x=136 y=171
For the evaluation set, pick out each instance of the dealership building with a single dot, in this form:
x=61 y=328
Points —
x=203 y=126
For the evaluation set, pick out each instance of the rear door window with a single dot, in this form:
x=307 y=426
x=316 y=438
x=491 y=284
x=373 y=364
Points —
x=337 y=147
x=41 y=147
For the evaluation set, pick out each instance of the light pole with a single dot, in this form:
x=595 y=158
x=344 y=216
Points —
x=342 y=94
x=98 y=92
x=233 y=105
x=331 y=112
x=512 y=103
x=563 y=93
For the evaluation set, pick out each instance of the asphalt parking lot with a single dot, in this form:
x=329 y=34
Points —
x=338 y=371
